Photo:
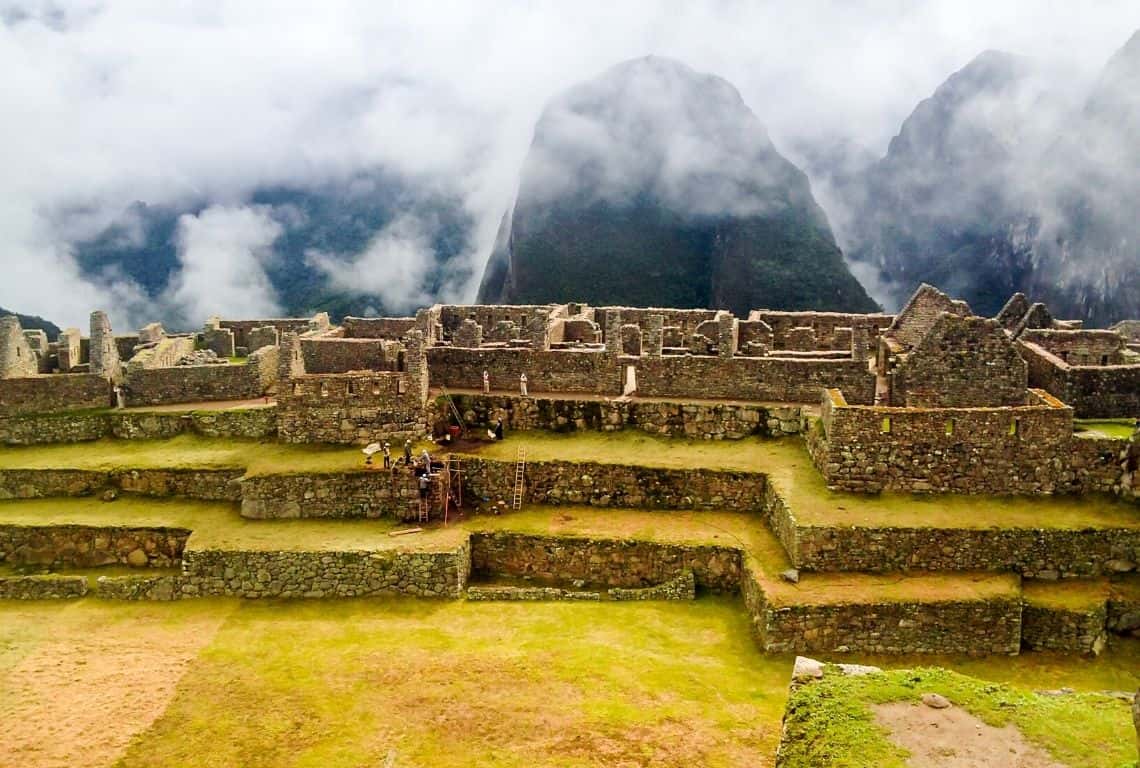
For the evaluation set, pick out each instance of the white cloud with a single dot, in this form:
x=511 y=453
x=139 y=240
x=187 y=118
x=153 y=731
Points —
x=223 y=252
x=393 y=266
x=108 y=103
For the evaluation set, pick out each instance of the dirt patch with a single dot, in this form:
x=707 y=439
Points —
x=76 y=701
x=953 y=738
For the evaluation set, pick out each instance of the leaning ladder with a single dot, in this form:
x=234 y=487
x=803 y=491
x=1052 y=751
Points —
x=520 y=471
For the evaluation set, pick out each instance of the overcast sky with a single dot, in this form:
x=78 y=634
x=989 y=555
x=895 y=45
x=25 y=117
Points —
x=102 y=104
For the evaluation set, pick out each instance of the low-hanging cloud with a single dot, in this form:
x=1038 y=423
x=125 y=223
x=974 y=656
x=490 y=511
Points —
x=223 y=253
x=106 y=104
x=393 y=266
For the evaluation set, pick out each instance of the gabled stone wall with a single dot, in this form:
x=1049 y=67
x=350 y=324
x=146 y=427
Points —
x=922 y=312
x=961 y=362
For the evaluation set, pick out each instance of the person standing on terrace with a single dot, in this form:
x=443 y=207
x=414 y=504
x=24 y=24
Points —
x=486 y=382
x=522 y=383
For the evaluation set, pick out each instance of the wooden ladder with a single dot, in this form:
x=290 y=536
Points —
x=427 y=502
x=454 y=469
x=520 y=472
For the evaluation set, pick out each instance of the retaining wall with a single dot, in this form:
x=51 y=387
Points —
x=612 y=562
x=324 y=574
x=973 y=628
x=207 y=484
x=82 y=546
x=616 y=485
x=44 y=587
x=80 y=427
x=371 y=494
x=1051 y=628
x=1032 y=552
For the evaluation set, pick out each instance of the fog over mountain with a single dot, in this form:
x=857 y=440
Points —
x=169 y=160
x=1003 y=181
x=655 y=185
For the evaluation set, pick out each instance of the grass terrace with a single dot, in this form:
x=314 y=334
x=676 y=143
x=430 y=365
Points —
x=411 y=682
x=1120 y=429
x=217 y=525
x=787 y=463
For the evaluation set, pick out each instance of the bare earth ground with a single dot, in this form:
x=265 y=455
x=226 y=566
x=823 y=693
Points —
x=114 y=685
x=953 y=738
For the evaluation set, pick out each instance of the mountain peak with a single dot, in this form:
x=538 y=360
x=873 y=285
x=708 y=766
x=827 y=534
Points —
x=654 y=184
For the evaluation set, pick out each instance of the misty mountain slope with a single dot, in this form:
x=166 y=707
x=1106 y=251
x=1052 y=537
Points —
x=1088 y=251
x=339 y=247
x=939 y=207
x=34 y=322
x=993 y=185
x=655 y=185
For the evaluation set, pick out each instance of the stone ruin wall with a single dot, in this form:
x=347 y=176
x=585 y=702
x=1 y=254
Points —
x=581 y=371
x=609 y=562
x=1080 y=347
x=770 y=379
x=960 y=362
x=318 y=323
x=377 y=327
x=1020 y=450
x=202 y=383
x=81 y=546
x=17 y=359
x=355 y=408
x=920 y=314
x=53 y=393
x=451 y=316
x=830 y=330
x=1094 y=391
x=164 y=354
x=340 y=355
x=708 y=421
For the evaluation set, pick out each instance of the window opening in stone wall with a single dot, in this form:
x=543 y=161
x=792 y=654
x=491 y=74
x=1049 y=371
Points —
x=401 y=386
x=886 y=425
x=950 y=426
x=324 y=389
x=296 y=388
x=376 y=387
x=1104 y=359
x=351 y=388
x=1014 y=426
